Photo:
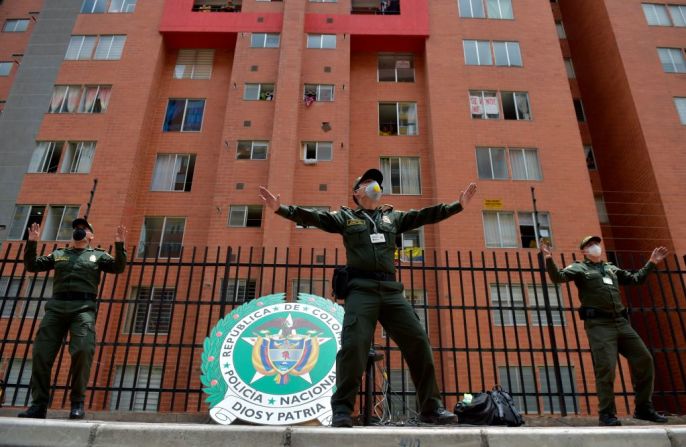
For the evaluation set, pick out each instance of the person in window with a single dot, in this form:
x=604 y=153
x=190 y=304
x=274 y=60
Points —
x=72 y=309
x=386 y=130
x=373 y=294
x=607 y=325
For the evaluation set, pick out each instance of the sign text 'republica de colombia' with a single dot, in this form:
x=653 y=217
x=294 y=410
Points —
x=273 y=362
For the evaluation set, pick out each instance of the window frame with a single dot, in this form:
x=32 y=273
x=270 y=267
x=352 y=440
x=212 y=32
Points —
x=60 y=227
x=312 y=38
x=183 y=117
x=317 y=144
x=245 y=209
x=200 y=56
x=490 y=150
x=395 y=57
x=389 y=188
x=17 y=22
x=190 y=159
x=253 y=143
x=143 y=244
x=501 y=242
x=265 y=39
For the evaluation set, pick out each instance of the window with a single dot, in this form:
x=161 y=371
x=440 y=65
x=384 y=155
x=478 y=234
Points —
x=81 y=99
x=263 y=40
x=398 y=118
x=252 y=150
x=194 y=64
x=680 y=104
x=484 y=104
x=507 y=54
x=238 y=291
x=109 y=47
x=24 y=217
x=80 y=48
x=401 y=175
x=499 y=229
x=17 y=391
x=314 y=151
x=579 y=110
x=402 y=394
x=245 y=216
x=477 y=52
x=590 y=158
x=46 y=157
x=9 y=296
x=529 y=233
x=656 y=14
x=396 y=68
x=417 y=299
x=678 y=13
x=508 y=305
x=672 y=60
x=499 y=9
x=569 y=66
x=184 y=115
x=549 y=388
x=57 y=226
x=314 y=208
x=411 y=246
x=173 y=172
x=520 y=382
x=603 y=217
x=525 y=165
x=258 y=92
x=537 y=304
x=516 y=105
x=319 y=92
x=141 y=380
x=472 y=9
x=115 y=6
x=16 y=25
x=150 y=310
x=491 y=163
x=5 y=68
x=78 y=157
x=322 y=41
x=309 y=285
x=560 y=30
x=161 y=237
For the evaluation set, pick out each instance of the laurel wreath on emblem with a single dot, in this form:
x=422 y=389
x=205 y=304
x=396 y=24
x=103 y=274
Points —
x=211 y=378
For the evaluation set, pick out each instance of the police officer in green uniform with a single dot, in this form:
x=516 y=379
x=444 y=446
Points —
x=607 y=325
x=369 y=233
x=72 y=308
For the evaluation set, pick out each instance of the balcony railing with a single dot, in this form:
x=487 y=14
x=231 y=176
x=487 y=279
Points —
x=383 y=7
x=217 y=5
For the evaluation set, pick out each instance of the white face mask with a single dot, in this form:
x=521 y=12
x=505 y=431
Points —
x=594 y=250
x=373 y=191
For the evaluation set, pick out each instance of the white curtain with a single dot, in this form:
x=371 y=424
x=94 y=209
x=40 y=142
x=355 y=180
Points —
x=522 y=101
x=163 y=177
x=38 y=157
x=58 y=95
x=409 y=176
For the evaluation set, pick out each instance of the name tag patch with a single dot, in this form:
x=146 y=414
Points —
x=353 y=222
x=61 y=258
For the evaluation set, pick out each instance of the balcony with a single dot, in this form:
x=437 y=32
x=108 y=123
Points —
x=217 y=5
x=377 y=7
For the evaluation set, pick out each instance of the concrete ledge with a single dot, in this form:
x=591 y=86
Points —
x=64 y=433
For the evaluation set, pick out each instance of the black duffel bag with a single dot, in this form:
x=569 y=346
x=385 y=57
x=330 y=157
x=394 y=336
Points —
x=495 y=407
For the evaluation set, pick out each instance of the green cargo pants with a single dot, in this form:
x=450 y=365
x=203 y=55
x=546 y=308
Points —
x=607 y=338
x=77 y=317
x=369 y=301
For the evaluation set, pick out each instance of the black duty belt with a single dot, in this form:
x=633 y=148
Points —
x=591 y=313
x=74 y=296
x=363 y=274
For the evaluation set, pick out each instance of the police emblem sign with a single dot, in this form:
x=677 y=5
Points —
x=273 y=362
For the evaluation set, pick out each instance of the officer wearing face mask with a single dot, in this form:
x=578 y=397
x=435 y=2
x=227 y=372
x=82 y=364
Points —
x=373 y=294
x=72 y=309
x=607 y=325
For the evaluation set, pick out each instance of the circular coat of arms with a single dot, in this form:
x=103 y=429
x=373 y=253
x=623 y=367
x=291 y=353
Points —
x=273 y=362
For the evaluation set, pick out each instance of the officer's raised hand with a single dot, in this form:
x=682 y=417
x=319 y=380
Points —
x=34 y=231
x=466 y=195
x=658 y=255
x=272 y=201
x=120 y=235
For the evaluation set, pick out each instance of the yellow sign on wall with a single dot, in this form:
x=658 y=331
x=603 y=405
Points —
x=493 y=204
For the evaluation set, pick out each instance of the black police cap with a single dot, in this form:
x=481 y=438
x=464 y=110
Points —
x=371 y=174
x=82 y=221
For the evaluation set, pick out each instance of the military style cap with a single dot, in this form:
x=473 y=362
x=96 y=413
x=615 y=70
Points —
x=588 y=239
x=371 y=174
x=82 y=221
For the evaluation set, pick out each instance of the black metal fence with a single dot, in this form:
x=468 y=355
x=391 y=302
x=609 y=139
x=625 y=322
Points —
x=492 y=318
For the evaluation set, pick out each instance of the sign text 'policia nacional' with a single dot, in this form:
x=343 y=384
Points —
x=273 y=362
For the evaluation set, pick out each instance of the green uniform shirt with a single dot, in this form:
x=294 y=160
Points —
x=594 y=290
x=358 y=225
x=76 y=270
